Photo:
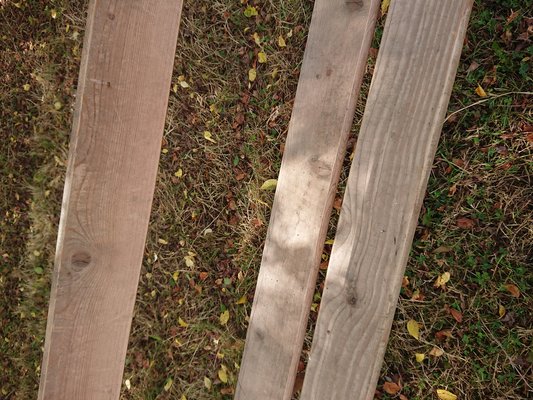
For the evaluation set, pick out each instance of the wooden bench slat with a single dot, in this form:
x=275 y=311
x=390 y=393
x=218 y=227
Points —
x=333 y=67
x=401 y=125
x=122 y=100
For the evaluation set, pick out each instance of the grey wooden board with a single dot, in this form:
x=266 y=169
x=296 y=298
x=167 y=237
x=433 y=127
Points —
x=410 y=91
x=330 y=78
x=122 y=99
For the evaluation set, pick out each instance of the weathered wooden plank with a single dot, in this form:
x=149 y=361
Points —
x=330 y=78
x=405 y=110
x=118 y=124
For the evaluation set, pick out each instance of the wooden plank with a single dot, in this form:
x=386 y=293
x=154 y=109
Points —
x=330 y=78
x=405 y=110
x=122 y=99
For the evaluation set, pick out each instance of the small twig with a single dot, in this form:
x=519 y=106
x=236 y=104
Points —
x=485 y=100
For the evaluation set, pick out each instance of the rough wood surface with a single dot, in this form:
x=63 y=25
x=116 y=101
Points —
x=118 y=125
x=331 y=75
x=405 y=110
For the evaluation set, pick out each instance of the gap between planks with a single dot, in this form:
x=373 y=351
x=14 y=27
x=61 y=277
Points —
x=333 y=67
x=406 y=106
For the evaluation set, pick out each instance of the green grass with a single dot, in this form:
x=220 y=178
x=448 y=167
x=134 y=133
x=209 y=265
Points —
x=208 y=225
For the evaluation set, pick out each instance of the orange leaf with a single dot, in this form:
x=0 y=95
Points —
x=442 y=335
x=480 y=91
x=391 y=387
x=465 y=223
x=203 y=276
x=457 y=315
x=513 y=289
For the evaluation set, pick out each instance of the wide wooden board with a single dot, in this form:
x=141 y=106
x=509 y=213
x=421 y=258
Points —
x=401 y=125
x=330 y=78
x=122 y=99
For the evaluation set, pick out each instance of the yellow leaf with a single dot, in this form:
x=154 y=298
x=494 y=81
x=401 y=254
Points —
x=252 y=74
x=242 y=300
x=26 y=87
x=207 y=383
x=189 y=261
x=329 y=241
x=128 y=384
x=182 y=323
x=178 y=173
x=209 y=136
x=420 y=357
x=501 y=311
x=385 y=6
x=183 y=397
x=175 y=276
x=269 y=184
x=53 y=14
x=445 y=395
x=257 y=38
x=58 y=106
x=414 y=329
x=162 y=241
x=281 y=42
x=480 y=91
x=224 y=317
x=262 y=57
x=168 y=384
x=184 y=84
x=442 y=280
x=250 y=11
x=223 y=375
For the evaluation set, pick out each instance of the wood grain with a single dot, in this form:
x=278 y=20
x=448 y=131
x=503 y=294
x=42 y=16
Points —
x=330 y=78
x=118 y=124
x=401 y=125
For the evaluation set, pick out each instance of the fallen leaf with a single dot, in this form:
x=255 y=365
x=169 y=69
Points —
x=189 y=261
x=402 y=397
x=26 y=87
x=242 y=300
x=418 y=296
x=168 y=384
x=445 y=395
x=182 y=323
x=250 y=11
x=480 y=91
x=162 y=241
x=178 y=173
x=442 y=249
x=385 y=6
x=443 y=334
x=223 y=375
x=209 y=136
x=128 y=384
x=391 y=388
x=257 y=38
x=252 y=74
x=457 y=315
x=513 y=289
x=442 y=280
x=281 y=41
x=501 y=311
x=473 y=66
x=224 y=317
x=207 y=383
x=203 y=275
x=436 y=352
x=414 y=329
x=420 y=357
x=465 y=223
x=269 y=184
x=262 y=57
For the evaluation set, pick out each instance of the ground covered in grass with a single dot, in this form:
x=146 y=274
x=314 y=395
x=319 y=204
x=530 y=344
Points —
x=468 y=283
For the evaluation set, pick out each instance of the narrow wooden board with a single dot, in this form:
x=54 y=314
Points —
x=122 y=100
x=330 y=78
x=405 y=110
